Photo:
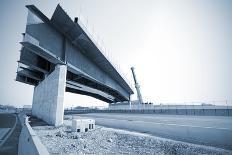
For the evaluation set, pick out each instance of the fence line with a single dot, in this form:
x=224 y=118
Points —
x=195 y=108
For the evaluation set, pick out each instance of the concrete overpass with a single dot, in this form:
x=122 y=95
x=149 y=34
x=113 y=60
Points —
x=58 y=55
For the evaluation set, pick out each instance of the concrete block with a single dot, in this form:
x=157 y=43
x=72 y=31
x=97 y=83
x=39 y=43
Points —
x=83 y=125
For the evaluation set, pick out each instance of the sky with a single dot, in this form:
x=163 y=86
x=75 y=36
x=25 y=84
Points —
x=181 y=49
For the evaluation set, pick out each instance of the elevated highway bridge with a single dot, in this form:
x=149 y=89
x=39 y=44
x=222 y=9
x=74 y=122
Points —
x=58 y=55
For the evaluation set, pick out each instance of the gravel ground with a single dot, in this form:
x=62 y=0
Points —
x=60 y=140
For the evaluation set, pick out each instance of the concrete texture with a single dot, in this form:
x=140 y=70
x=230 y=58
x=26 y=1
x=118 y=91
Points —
x=29 y=143
x=48 y=99
x=208 y=130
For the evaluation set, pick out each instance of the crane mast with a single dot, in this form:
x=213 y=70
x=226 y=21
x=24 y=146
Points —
x=137 y=86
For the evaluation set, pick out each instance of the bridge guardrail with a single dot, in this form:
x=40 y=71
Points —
x=83 y=22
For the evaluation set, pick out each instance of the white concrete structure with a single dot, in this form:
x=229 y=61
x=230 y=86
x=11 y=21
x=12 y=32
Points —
x=83 y=125
x=29 y=142
x=131 y=105
x=48 y=99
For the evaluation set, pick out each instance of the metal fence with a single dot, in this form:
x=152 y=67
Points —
x=187 y=108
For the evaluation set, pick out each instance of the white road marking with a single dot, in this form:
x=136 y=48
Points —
x=171 y=124
x=3 y=132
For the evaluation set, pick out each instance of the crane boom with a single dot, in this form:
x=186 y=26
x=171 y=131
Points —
x=137 y=86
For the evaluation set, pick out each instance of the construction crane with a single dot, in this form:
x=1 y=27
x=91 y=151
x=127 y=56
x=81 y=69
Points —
x=137 y=86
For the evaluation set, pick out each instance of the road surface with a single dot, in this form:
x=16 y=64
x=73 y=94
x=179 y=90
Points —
x=208 y=130
x=10 y=129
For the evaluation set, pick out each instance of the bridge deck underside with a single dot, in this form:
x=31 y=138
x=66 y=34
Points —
x=61 y=41
x=76 y=83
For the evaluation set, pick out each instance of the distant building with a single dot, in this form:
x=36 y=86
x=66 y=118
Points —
x=27 y=106
x=134 y=105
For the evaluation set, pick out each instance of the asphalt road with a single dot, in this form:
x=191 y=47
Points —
x=208 y=130
x=10 y=129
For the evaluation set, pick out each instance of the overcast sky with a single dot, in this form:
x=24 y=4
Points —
x=181 y=49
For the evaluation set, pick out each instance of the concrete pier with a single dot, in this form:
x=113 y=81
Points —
x=48 y=99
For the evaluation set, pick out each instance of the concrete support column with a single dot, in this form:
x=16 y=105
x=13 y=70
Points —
x=48 y=98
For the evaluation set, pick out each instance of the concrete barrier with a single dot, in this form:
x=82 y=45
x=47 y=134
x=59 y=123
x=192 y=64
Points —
x=29 y=142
